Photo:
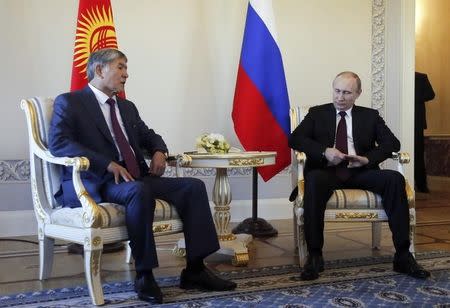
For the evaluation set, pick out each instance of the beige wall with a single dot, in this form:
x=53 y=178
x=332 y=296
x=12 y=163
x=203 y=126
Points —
x=183 y=58
x=433 y=58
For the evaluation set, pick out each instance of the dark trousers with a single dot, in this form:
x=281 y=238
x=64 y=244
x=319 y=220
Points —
x=420 y=174
x=190 y=199
x=319 y=186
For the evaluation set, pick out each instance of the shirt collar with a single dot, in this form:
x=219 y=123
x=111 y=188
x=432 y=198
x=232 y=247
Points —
x=99 y=95
x=348 y=112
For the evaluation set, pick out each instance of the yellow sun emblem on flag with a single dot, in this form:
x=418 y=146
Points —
x=95 y=30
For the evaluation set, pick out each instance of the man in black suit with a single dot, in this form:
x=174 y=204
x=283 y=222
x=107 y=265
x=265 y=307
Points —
x=108 y=130
x=423 y=93
x=344 y=144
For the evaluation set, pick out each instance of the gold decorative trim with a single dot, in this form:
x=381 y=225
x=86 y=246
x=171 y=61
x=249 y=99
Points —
x=34 y=124
x=301 y=157
x=356 y=215
x=179 y=252
x=96 y=241
x=409 y=194
x=40 y=213
x=95 y=261
x=91 y=216
x=240 y=259
x=246 y=161
x=162 y=228
x=227 y=237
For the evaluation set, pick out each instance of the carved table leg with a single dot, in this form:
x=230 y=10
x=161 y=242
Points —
x=229 y=242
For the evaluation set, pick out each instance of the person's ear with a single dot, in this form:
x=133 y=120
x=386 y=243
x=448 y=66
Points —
x=99 y=71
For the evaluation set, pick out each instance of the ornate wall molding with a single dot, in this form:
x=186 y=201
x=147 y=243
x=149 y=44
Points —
x=378 y=55
x=14 y=171
x=18 y=171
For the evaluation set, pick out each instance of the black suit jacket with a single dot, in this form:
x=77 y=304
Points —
x=423 y=92
x=371 y=137
x=78 y=128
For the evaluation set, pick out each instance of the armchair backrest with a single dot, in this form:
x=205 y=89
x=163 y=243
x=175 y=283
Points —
x=46 y=176
x=297 y=114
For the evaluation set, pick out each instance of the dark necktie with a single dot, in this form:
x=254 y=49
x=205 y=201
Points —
x=341 y=144
x=124 y=147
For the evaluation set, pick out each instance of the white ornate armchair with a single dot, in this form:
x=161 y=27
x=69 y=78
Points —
x=91 y=225
x=345 y=205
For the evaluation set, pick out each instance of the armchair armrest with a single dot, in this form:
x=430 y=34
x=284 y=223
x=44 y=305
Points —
x=91 y=210
x=300 y=159
x=403 y=158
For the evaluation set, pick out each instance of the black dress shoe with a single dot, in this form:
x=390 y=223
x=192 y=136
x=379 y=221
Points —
x=408 y=265
x=205 y=279
x=148 y=290
x=312 y=267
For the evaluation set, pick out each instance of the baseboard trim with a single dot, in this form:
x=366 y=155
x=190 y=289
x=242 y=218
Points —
x=23 y=223
x=438 y=183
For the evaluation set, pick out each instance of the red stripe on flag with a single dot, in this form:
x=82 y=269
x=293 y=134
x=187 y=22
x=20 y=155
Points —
x=256 y=126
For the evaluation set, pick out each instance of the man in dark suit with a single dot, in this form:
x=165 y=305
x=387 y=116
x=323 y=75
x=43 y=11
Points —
x=423 y=93
x=344 y=144
x=108 y=130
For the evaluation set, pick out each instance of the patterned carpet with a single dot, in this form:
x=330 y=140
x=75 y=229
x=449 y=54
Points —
x=347 y=283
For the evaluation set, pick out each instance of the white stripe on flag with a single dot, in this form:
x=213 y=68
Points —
x=264 y=10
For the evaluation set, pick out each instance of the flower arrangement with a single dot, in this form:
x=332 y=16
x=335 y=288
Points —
x=212 y=143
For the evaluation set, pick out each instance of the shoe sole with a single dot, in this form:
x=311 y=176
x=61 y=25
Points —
x=407 y=273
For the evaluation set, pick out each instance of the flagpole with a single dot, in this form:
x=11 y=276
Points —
x=258 y=227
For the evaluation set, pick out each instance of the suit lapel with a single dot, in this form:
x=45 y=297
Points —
x=356 y=127
x=125 y=119
x=93 y=109
x=331 y=121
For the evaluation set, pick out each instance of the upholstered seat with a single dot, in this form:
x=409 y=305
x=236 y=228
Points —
x=113 y=215
x=345 y=205
x=91 y=225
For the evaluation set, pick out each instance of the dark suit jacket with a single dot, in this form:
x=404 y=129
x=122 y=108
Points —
x=78 y=128
x=423 y=92
x=371 y=137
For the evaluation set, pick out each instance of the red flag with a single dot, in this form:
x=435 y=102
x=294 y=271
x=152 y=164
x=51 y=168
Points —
x=95 y=30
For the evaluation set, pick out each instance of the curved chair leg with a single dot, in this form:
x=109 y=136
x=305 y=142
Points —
x=302 y=251
x=295 y=228
x=412 y=230
x=128 y=253
x=376 y=235
x=92 y=266
x=46 y=245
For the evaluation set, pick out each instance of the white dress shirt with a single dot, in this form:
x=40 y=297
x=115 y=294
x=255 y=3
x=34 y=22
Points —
x=101 y=99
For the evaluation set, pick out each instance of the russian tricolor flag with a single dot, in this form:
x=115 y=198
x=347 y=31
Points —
x=261 y=103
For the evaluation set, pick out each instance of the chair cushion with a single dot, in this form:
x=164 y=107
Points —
x=354 y=199
x=113 y=214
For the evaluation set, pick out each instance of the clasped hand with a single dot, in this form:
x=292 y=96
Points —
x=157 y=168
x=335 y=157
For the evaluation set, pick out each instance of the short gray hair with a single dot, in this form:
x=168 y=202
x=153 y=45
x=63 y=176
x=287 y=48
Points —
x=102 y=57
x=352 y=74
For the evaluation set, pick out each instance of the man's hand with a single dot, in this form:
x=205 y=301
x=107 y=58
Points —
x=119 y=172
x=334 y=156
x=158 y=164
x=355 y=161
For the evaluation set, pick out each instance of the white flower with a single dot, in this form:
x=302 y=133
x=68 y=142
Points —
x=213 y=143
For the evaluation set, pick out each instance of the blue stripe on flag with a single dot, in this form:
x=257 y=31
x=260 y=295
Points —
x=261 y=59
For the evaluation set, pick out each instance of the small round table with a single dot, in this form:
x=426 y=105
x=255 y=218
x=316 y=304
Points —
x=229 y=242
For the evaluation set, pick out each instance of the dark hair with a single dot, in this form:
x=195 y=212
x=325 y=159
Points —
x=354 y=75
x=102 y=57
